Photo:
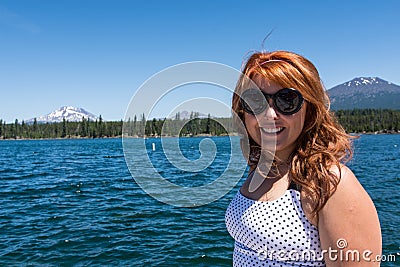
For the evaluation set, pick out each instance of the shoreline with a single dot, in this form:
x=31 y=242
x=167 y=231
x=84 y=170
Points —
x=156 y=137
x=110 y=137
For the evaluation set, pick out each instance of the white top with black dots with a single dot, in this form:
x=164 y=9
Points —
x=272 y=233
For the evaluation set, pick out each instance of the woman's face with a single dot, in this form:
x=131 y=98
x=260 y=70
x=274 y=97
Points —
x=271 y=124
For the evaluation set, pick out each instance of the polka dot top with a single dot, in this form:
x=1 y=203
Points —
x=272 y=233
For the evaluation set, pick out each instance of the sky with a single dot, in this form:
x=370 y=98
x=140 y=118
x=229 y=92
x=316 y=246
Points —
x=96 y=54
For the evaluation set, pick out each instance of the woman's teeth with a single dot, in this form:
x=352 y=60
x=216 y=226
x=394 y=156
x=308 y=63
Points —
x=272 y=130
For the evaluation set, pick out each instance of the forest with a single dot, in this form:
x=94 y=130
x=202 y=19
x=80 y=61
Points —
x=354 y=121
x=369 y=120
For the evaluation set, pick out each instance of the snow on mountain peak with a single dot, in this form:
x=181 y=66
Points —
x=68 y=113
x=365 y=81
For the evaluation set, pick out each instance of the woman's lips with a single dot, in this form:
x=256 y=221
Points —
x=274 y=130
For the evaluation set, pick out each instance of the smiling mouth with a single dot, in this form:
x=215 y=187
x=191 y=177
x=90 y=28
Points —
x=272 y=130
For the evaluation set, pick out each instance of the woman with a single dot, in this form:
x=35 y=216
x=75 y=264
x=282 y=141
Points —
x=301 y=206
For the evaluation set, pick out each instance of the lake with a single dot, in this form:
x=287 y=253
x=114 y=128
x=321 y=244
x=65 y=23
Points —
x=73 y=202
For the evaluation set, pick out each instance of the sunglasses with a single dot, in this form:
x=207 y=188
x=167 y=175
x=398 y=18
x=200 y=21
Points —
x=286 y=101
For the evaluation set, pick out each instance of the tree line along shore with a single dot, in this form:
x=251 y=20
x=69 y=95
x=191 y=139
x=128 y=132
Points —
x=354 y=121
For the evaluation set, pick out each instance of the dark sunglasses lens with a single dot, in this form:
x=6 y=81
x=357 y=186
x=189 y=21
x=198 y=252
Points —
x=253 y=101
x=288 y=101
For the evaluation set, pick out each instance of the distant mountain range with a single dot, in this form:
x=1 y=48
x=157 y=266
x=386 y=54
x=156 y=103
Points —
x=76 y=114
x=362 y=92
x=365 y=92
x=185 y=115
x=67 y=112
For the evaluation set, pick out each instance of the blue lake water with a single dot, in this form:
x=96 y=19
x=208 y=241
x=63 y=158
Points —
x=75 y=203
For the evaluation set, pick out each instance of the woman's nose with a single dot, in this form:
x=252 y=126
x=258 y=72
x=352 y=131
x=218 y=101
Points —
x=270 y=112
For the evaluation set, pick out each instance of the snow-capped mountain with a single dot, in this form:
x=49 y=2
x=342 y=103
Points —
x=365 y=81
x=365 y=92
x=68 y=113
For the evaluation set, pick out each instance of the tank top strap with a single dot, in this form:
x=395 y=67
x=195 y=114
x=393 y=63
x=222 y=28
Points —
x=294 y=186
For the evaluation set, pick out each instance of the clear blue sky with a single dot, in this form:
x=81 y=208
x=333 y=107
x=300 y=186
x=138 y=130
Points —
x=95 y=54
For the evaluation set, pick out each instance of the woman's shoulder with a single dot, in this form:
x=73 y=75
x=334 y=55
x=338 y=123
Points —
x=348 y=184
x=345 y=181
x=349 y=190
x=349 y=214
